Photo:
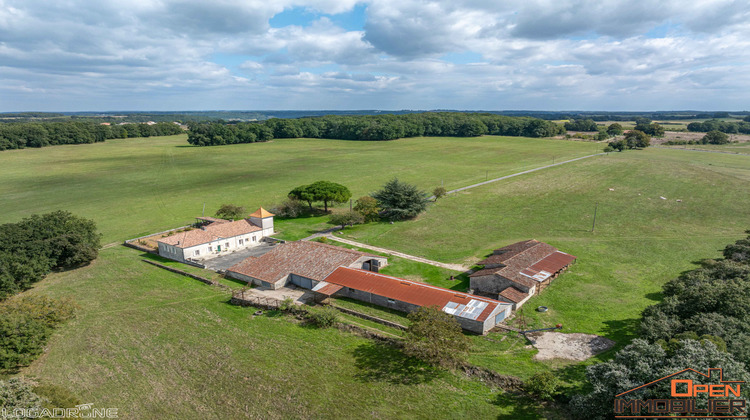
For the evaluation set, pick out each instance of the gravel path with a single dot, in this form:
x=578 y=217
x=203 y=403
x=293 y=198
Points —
x=518 y=173
x=456 y=267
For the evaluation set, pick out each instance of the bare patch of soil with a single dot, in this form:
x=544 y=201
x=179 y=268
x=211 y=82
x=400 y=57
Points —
x=576 y=346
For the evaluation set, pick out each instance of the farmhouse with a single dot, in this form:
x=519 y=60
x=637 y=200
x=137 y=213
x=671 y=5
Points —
x=302 y=263
x=217 y=236
x=474 y=313
x=515 y=272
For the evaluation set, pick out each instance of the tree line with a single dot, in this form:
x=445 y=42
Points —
x=729 y=127
x=29 y=250
x=703 y=322
x=41 y=134
x=372 y=127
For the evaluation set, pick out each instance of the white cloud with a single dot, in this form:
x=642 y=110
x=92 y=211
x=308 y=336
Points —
x=547 y=54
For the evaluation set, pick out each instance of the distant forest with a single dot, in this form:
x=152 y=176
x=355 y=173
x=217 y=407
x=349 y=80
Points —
x=372 y=127
x=729 y=127
x=260 y=115
x=20 y=135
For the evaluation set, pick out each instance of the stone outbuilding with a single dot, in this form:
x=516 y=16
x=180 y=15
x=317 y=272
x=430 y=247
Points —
x=474 y=313
x=302 y=263
x=516 y=272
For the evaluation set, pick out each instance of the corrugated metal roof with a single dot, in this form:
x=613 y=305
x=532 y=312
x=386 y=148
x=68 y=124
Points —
x=455 y=303
x=326 y=288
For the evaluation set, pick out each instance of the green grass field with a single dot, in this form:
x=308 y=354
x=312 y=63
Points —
x=159 y=345
x=640 y=241
x=133 y=187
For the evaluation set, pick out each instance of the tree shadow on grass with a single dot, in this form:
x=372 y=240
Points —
x=622 y=331
x=522 y=407
x=383 y=363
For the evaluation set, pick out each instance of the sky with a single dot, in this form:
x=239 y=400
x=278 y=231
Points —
x=169 y=55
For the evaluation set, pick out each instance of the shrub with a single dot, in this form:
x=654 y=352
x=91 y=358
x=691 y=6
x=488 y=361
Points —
x=230 y=212
x=18 y=393
x=368 y=208
x=289 y=208
x=439 y=192
x=25 y=325
x=350 y=218
x=287 y=304
x=57 y=396
x=324 y=317
x=542 y=385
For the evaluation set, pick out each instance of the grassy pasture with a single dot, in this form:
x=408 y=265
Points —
x=640 y=241
x=158 y=345
x=133 y=187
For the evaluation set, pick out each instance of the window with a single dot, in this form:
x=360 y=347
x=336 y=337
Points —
x=253 y=238
x=226 y=245
x=351 y=290
x=391 y=301
x=197 y=252
x=240 y=241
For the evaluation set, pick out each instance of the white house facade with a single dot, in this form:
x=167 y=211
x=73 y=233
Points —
x=217 y=238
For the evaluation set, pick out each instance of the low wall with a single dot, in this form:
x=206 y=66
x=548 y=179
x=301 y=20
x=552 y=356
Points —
x=140 y=248
x=245 y=299
x=185 y=273
x=370 y=318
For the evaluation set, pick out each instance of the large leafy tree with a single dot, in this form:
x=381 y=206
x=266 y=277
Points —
x=640 y=363
x=615 y=129
x=329 y=192
x=400 y=201
x=715 y=137
x=325 y=191
x=32 y=247
x=435 y=337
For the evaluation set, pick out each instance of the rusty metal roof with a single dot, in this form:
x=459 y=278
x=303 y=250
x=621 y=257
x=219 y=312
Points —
x=326 y=288
x=450 y=301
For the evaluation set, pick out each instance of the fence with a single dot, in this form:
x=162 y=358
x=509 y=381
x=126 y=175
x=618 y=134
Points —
x=245 y=298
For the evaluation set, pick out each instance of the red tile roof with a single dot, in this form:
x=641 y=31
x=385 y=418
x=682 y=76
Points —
x=514 y=295
x=525 y=262
x=212 y=232
x=262 y=213
x=313 y=260
x=416 y=293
